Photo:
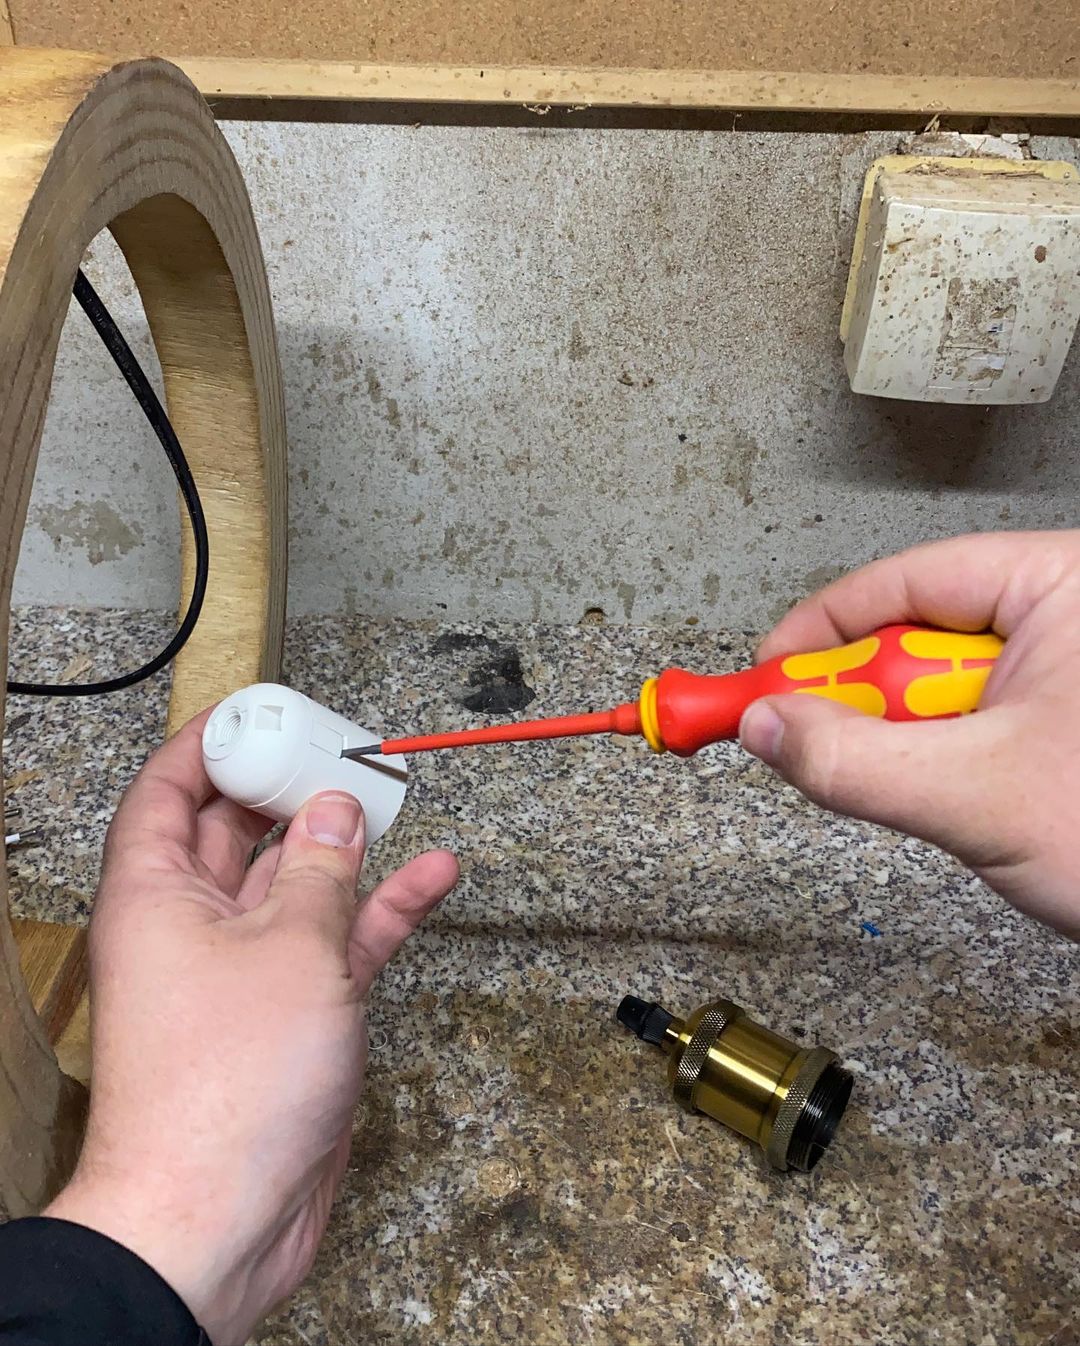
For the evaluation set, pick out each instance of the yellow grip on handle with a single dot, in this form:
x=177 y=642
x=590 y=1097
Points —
x=899 y=672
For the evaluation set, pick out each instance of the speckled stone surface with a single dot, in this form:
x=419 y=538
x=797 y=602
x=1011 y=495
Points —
x=520 y=1172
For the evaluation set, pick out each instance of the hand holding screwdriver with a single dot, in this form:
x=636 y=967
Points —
x=1000 y=789
x=997 y=789
x=899 y=673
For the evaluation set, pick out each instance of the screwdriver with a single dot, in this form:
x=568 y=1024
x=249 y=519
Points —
x=897 y=673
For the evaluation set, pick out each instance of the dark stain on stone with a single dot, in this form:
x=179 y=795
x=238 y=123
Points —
x=820 y=576
x=388 y=405
x=742 y=454
x=95 y=526
x=452 y=641
x=522 y=1213
x=496 y=683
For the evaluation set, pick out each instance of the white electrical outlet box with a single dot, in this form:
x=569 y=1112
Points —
x=965 y=282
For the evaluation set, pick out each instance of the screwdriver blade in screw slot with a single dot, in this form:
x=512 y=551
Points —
x=362 y=756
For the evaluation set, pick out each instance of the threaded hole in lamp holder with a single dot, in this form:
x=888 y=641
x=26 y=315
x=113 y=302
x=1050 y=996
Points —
x=229 y=728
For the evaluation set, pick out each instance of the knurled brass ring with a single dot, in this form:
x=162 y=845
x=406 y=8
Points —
x=711 y=1024
x=795 y=1100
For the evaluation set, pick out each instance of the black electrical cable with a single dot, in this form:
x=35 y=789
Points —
x=139 y=384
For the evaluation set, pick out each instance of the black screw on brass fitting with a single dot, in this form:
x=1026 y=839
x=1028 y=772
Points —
x=788 y=1099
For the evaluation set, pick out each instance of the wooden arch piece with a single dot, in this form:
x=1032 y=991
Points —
x=87 y=145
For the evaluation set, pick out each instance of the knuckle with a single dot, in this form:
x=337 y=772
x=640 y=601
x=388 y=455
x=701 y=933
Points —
x=337 y=879
x=815 y=763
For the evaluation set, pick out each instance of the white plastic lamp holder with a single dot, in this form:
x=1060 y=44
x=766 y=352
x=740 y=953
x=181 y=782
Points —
x=271 y=748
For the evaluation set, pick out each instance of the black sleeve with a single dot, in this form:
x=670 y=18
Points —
x=64 y=1285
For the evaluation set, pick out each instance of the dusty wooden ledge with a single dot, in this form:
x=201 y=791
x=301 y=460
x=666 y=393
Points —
x=734 y=90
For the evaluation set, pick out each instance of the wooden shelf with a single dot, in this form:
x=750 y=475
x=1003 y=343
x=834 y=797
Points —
x=956 y=57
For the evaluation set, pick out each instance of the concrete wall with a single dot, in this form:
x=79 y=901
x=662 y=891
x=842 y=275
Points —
x=531 y=372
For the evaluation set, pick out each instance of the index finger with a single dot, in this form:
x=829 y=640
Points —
x=979 y=582
x=160 y=807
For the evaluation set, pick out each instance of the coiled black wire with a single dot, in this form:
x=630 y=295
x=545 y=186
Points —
x=139 y=384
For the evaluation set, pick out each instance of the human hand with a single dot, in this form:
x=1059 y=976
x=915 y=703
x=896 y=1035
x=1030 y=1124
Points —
x=1000 y=789
x=228 y=1032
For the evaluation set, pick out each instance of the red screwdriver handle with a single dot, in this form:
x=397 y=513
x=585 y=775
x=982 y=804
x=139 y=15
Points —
x=898 y=672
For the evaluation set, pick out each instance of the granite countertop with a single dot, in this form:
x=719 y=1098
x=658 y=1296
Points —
x=520 y=1172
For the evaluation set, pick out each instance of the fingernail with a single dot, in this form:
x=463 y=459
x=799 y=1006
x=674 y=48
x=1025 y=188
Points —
x=334 y=820
x=761 y=731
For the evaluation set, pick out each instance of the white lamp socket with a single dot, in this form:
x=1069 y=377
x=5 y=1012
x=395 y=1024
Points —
x=271 y=748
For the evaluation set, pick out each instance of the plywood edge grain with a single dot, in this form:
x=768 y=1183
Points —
x=55 y=966
x=53 y=961
x=734 y=90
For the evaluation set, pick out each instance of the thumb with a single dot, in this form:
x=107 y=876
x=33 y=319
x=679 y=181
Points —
x=319 y=864
x=933 y=779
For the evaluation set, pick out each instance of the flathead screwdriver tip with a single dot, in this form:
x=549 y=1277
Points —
x=365 y=751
